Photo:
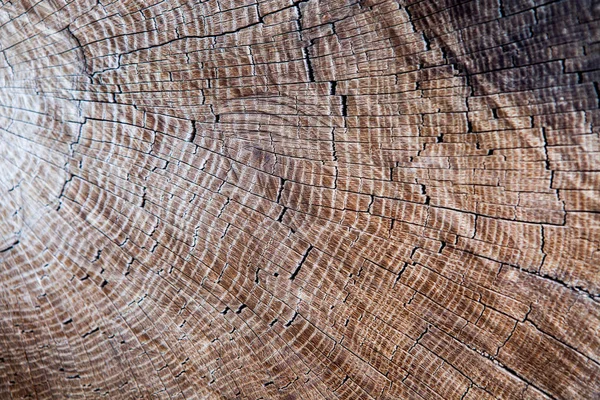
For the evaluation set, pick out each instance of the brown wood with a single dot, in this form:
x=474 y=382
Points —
x=319 y=199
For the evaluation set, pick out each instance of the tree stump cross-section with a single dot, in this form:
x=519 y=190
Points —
x=313 y=199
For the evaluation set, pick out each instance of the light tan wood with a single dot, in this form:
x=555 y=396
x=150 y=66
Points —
x=316 y=199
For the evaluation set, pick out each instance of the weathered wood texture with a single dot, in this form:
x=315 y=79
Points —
x=315 y=199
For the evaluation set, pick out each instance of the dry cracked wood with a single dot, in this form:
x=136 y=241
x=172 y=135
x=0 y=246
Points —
x=312 y=199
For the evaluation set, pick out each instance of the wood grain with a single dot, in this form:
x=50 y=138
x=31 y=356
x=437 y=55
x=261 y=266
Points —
x=314 y=199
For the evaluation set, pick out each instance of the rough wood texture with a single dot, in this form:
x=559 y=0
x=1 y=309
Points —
x=315 y=199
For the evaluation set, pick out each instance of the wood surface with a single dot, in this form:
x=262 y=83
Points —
x=315 y=199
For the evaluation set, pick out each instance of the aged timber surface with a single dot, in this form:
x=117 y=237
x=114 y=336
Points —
x=315 y=199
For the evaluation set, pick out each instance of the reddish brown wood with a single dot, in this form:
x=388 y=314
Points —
x=387 y=199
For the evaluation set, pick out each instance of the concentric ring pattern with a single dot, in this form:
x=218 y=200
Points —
x=299 y=199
